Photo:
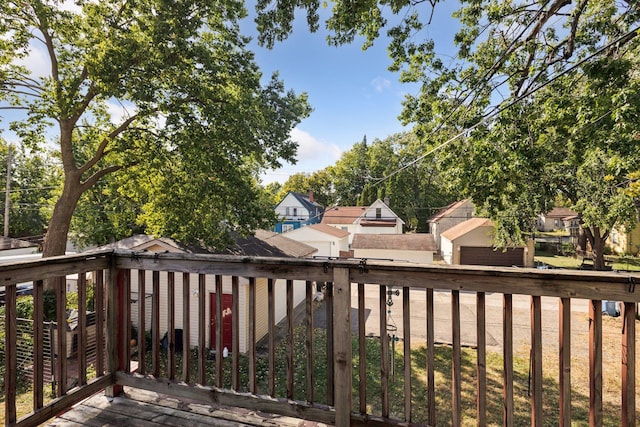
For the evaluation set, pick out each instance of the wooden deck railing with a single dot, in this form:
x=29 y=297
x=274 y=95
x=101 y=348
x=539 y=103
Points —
x=160 y=295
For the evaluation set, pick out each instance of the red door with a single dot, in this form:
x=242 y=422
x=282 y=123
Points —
x=227 y=301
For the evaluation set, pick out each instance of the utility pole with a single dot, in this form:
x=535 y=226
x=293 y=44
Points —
x=7 y=195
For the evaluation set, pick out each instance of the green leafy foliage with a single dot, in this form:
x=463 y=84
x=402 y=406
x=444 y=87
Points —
x=377 y=170
x=540 y=99
x=146 y=84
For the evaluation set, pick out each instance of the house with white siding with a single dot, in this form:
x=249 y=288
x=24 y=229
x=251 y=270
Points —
x=449 y=216
x=264 y=243
x=378 y=218
x=297 y=210
x=329 y=241
x=472 y=243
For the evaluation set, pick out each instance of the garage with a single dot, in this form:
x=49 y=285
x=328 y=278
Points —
x=474 y=255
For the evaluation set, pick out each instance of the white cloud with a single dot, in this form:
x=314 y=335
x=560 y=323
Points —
x=37 y=61
x=119 y=111
x=380 y=84
x=313 y=155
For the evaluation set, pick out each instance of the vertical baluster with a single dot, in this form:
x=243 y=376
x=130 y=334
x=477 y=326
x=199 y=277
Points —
x=289 y=342
x=11 y=358
x=171 y=332
x=330 y=333
x=343 y=352
x=536 y=361
x=202 y=329
x=595 y=363
x=82 y=329
x=384 y=353
x=456 y=360
x=565 y=361
x=126 y=336
x=362 y=350
x=61 y=319
x=186 y=327
x=219 y=332
x=142 y=328
x=481 y=363
x=272 y=339
x=251 y=353
x=115 y=326
x=309 y=339
x=431 y=388
x=406 y=331
x=235 y=329
x=99 y=306
x=155 y=325
x=38 y=344
x=507 y=336
x=629 y=365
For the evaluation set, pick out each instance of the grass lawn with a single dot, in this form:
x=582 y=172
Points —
x=616 y=262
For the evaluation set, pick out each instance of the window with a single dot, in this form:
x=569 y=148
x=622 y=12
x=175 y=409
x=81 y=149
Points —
x=295 y=211
x=287 y=227
x=287 y=211
x=378 y=213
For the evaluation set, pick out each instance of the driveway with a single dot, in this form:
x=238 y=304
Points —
x=493 y=302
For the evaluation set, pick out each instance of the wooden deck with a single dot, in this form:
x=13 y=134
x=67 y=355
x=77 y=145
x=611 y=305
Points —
x=143 y=408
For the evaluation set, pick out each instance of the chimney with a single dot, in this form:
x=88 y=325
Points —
x=311 y=196
x=386 y=200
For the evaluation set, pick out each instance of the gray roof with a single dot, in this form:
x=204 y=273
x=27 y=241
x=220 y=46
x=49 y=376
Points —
x=401 y=242
x=263 y=243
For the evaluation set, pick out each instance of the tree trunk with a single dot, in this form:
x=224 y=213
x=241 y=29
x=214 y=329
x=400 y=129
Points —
x=598 y=253
x=597 y=241
x=55 y=241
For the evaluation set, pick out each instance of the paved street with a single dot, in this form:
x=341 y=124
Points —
x=442 y=317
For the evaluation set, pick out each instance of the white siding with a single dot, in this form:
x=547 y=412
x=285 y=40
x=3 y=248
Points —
x=193 y=304
x=421 y=257
x=447 y=250
x=290 y=202
x=261 y=304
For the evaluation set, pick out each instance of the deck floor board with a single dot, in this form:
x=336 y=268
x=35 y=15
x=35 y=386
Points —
x=143 y=408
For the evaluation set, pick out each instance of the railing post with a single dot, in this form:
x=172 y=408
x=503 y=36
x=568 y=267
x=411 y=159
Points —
x=115 y=325
x=629 y=365
x=342 y=346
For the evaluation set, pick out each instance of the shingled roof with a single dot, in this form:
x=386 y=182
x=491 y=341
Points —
x=402 y=242
x=263 y=243
x=465 y=227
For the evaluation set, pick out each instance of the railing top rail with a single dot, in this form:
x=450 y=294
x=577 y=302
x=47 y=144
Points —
x=529 y=281
x=46 y=268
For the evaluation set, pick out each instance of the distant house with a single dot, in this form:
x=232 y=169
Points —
x=413 y=247
x=625 y=240
x=297 y=210
x=451 y=215
x=378 y=218
x=14 y=247
x=329 y=241
x=264 y=243
x=471 y=243
x=559 y=218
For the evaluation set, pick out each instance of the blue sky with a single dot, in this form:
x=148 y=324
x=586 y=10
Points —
x=351 y=91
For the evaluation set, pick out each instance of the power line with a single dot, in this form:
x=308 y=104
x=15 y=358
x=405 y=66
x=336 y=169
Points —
x=498 y=111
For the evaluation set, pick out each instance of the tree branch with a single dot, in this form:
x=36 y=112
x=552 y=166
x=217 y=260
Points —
x=105 y=141
x=91 y=181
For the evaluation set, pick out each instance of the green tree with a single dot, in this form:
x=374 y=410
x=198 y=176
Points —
x=189 y=90
x=526 y=77
x=350 y=174
x=35 y=179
